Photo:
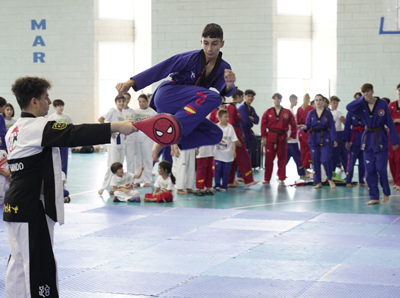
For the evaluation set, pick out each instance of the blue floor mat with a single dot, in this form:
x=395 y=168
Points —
x=338 y=228
x=255 y=224
x=173 y=221
x=375 y=256
x=355 y=218
x=278 y=215
x=321 y=239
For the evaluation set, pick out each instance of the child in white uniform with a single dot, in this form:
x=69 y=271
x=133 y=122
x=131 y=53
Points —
x=143 y=144
x=116 y=149
x=164 y=184
x=123 y=184
x=129 y=140
x=4 y=175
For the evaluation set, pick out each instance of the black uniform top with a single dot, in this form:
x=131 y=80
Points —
x=35 y=164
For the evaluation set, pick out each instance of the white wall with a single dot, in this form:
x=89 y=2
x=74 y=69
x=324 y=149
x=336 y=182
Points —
x=247 y=25
x=68 y=50
x=363 y=54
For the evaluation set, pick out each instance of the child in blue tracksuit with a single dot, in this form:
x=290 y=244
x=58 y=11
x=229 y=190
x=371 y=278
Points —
x=323 y=134
x=186 y=95
x=375 y=113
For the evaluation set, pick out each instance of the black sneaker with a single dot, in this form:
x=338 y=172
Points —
x=209 y=192
x=199 y=193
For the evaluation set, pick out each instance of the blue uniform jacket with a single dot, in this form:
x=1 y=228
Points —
x=352 y=121
x=324 y=122
x=245 y=113
x=185 y=69
x=378 y=117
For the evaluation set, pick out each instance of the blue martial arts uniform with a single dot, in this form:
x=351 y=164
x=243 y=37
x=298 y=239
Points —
x=353 y=130
x=375 y=142
x=246 y=126
x=187 y=94
x=320 y=140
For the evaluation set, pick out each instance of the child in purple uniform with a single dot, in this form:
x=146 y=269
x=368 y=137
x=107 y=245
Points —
x=186 y=95
x=375 y=113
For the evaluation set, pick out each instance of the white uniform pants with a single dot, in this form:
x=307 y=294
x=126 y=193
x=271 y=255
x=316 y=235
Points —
x=130 y=157
x=32 y=270
x=115 y=154
x=142 y=148
x=184 y=169
x=125 y=196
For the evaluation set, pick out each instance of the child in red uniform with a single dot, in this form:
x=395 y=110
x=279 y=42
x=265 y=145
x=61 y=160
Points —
x=394 y=155
x=242 y=158
x=164 y=184
x=277 y=120
x=301 y=117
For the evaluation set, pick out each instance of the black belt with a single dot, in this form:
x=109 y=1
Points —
x=322 y=134
x=375 y=130
x=278 y=132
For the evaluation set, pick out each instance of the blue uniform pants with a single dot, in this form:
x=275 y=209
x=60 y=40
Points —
x=376 y=168
x=293 y=151
x=355 y=153
x=191 y=105
x=64 y=159
x=221 y=171
x=321 y=155
x=339 y=153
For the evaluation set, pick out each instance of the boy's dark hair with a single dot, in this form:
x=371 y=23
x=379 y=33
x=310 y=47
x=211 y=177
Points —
x=398 y=86
x=58 y=102
x=249 y=91
x=11 y=106
x=3 y=101
x=367 y=87
x=119 y=98
x=127 y=93
x=357 y=94
x=213 y=31
x=237 y=93
x=312 y=102
x=26 y=88
x=292 y=96
x=115 y=167
x=276 y=95
x=386 y=99
x=143 y=96
x=326 y=100
x=166 y=165
x=222 y=112
x=335 y=98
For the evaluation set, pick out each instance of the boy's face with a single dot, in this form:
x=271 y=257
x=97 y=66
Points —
x=119 y=172
x=319 y=101
x=224 y=119
x=120 y=103
x=368 y=94
x=143 y=103
x=59 y=109
x=277 y=101
x=127 y=99
x=293 y=101
x=334 y=104
x=326 y=104
x=239 y=99
x=249 y=98
x=43 y=104
x=211 y=47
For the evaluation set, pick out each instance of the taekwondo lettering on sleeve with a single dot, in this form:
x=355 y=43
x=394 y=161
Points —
x=15 y=167
x=38 y=56
x=8 y=209
x=44 y=291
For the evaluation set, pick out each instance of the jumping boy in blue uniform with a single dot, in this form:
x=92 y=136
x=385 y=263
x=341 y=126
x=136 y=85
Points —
x=186 y=95
x=375 y=113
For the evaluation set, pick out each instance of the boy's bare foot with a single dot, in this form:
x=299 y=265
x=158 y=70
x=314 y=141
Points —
x=397 y=187
x=189 y=190
x=332 y=184
x=234 y=184
x=265 y=182
x=239 y=179
x=281 y=182
x=100 y=192
x=251 y=183
x=372 y=202
x=156 y=149
x=147 y=185
x=319 y=185
x=390 y=180
x=385 y=198
x=181 y=192
x=394 y=186
x=349 y=185
x=362 y=184
x=304 y=176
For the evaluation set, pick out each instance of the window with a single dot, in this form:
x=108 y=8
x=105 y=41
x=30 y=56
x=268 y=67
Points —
x=115 y=66
x=294 y=7
x=391 y=15
x=293 y=68
x=116 y=9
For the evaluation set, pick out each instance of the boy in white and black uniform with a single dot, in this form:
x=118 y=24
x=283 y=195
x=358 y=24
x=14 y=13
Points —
x=34 y=201
x=116 y=149
x=129 y=141
x=143 y=144
x=123 y=184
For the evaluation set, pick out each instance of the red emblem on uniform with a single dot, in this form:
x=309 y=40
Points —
x=285 y=116
x=381 y=113
x=326 y=119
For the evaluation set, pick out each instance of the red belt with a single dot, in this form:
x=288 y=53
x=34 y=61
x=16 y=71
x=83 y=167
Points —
x=360 y=129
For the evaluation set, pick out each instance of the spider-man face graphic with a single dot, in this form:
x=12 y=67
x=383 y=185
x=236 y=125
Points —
x=165 y=131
